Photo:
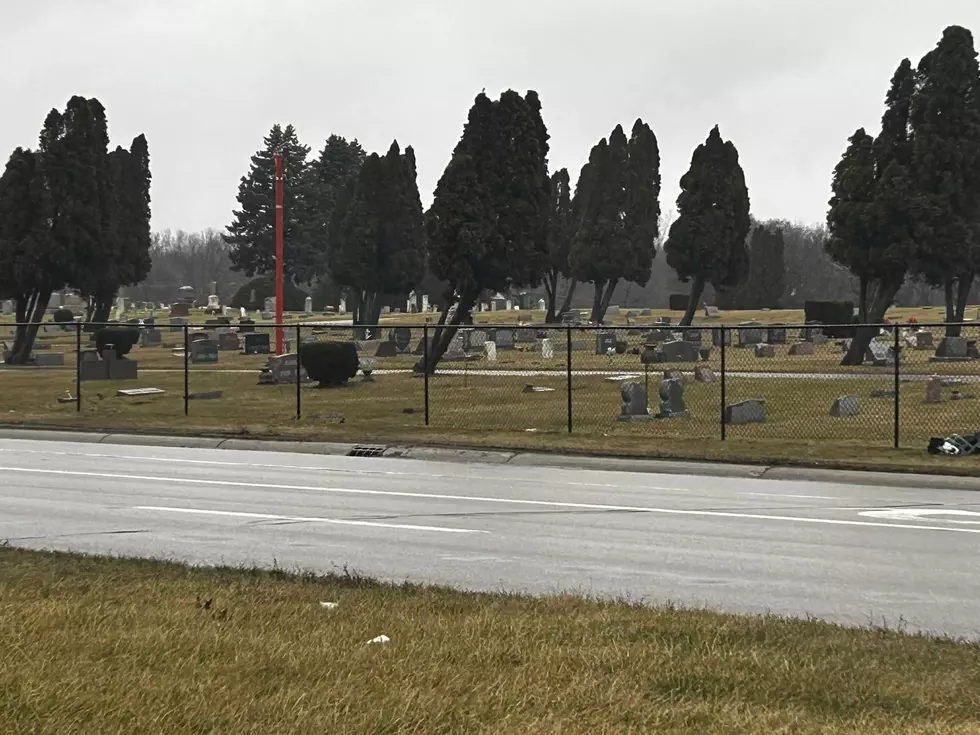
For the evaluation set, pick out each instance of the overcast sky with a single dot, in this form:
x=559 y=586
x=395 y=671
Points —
x=787 y=80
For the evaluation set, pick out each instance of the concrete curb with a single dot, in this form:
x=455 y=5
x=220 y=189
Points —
x=518 y=459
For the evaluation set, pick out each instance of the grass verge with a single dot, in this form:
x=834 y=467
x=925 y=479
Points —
x=109 y=645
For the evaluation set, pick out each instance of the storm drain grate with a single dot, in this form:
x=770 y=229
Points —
x=366 y=450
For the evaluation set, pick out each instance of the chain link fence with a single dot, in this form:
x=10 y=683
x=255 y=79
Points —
x=755 y=383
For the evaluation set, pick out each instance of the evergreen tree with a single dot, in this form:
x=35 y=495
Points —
x=764 y=285
x=378 y=238
x=707 y=241
x=488 y=224
x=339 y=161
x=561 y=231
x=617 y=212
x=251 y=234
x=945 y=162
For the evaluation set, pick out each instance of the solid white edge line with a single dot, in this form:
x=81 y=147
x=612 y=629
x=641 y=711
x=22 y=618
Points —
x=484 y=499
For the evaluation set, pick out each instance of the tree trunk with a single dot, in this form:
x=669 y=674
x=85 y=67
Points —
x=446 y=331
x=594 y=316
x=567 y=304
x=551 y=295
x=876 y=313
x=958 y=301
x=21 y=353
x=697 y=288
x=863 y=300
x=371 y=313
x=605 y=296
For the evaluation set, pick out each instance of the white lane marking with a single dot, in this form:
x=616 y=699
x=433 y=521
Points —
x=271 y=517
x=918 y=514
x=786 y=495
x=484 y=499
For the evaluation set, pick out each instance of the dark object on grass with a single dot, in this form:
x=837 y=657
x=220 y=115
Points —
x=122 y=338
x=64 y=316
x=834 y=313
x=954 y=445
x=678 y=301
x=329 y=363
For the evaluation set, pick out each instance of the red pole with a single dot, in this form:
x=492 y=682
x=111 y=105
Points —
x=279 y=229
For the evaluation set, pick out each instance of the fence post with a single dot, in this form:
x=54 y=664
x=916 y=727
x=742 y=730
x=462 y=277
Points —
x=425 y=367
x=187 y=356
x=568 y=372
x=724 y=386
x=78 y=367
x=898 y=373
x=299 y=368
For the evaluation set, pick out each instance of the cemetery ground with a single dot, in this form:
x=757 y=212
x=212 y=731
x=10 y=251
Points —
x=110 y=645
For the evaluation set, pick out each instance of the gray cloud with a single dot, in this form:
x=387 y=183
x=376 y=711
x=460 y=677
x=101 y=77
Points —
x=787 y=80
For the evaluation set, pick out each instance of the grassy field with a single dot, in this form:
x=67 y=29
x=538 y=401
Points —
x=493 y=411
x=91 y=645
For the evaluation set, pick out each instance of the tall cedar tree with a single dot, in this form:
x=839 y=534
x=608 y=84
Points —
x=875 y=210
x=252 y=233
x=339 y=161
x=707 y=241
x=488 y=224
x=378 y=235
x=561 y=231
x=31 y=266
x=764 y=286
x=617 y=213
x=945 y=161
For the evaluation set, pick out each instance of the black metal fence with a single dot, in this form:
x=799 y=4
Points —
x=704 y=383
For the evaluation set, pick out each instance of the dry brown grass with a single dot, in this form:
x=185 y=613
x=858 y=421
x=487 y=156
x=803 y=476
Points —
x=92 y=645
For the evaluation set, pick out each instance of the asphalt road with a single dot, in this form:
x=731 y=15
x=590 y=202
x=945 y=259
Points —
x=852 y=554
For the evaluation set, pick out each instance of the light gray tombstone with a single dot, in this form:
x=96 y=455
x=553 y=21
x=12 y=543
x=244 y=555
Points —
x=281 y=370
x=672 y=399
x=776 y=335
x=204 y=351
x=801 y=349
x=765 y=350
x=633 y=406
x=50 y=359
x=308 y=305
x=151 y=338
x=477 y=338
x=228 y=341
x=952 y=347
x=504 y=338
x=922 y=340
x=547 y=349
x=846 y=406
x=455 y=351
x=750 y=334
x=880 y=355
x=704 y=374
x=694 y=336
x=752 y=411
x=934 y=391
x=8 y=308
x=490 y=351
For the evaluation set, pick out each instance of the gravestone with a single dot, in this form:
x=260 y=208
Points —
x=490 y=351
x=679 y=351
x=308 y=305
x=633 y=402
x=750 y=334
x=646 y=312
x=883 y=393
x=952 y=348
x=776 y=335
x=752 y=411
x=50 y=359
x=704 y=374
x=107 y=366
x=721 y=335
x=204 y=351
x=659 y=335
x=281 y=370
x=257 y=343
x=922 y=340
x=765 y=350
x=934 y=391
x=547 y=349
x=801 y=349
x=455 y=352
x=8 y=308
x=663 y=320
x=846 y=406
x=524 y=336
x=605 y=341
x=201 y=335
x=880 y=355
x=402 y=337
x=504 y=339
x=151 y=338
x=672 y=400
x=180 y=310
x=386 y=349
x=711 y=312
x=692 y=335
x=571 y=318
x=819 y=338
x=228 y=341
x=477 y=338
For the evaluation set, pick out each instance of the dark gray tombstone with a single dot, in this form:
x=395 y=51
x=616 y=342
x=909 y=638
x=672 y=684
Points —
x=386 y=349
x=752 y=411
x=204 y=351
x=719 y=335
x=228 y=341
x=776 y=335
x=672 y=399
x=954 y=348
x=256 y=343
x=177 y=323
x=504 y=338
x=694 y=336
x=765 y=350
x=605 y=341
x=800 y=349
x=633 y=405
x=402 y=337
x=151 y=338
x=680 y=351
x=750 y=334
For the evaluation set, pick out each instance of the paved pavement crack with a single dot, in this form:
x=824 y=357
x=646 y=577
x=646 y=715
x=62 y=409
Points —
x=74 y=535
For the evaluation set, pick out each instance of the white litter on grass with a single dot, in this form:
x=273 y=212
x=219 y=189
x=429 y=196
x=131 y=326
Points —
x=380 y=639
x=620 y=378
x=329 y=605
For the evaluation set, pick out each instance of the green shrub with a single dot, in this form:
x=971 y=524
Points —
x=123 y=338
x=294 y=299
x=679 y=301
x=64 y=316
x=329 y=363
x=832 y=312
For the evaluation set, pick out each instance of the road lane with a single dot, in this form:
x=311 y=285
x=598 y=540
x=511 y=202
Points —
x=846 y=553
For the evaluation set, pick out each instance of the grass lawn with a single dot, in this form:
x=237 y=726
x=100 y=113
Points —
x=94 y=645
x=493 y=411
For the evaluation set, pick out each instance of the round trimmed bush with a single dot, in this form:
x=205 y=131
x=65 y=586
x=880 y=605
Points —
x=329 y=363
x=64 y=316
x=122 y=338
